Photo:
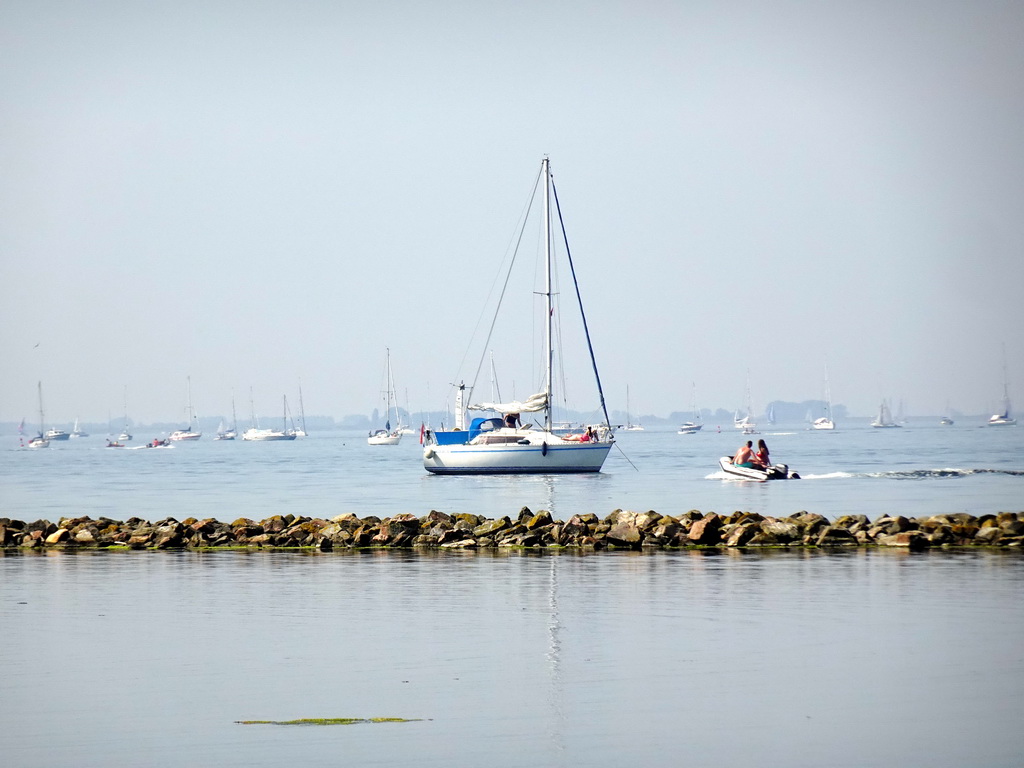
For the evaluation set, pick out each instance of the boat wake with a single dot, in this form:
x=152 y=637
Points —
x=918 y=474
x=896 y=474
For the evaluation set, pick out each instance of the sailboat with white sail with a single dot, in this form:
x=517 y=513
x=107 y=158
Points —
x=503 y=444
x=884 y=420
x=223 y=431
x=387 y=436
x=189 y=432
x=76 y=431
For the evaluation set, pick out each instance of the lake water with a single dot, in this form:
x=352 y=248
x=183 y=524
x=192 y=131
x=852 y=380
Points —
x=803 y=658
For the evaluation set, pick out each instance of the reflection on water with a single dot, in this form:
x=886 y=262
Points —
x=861 y=658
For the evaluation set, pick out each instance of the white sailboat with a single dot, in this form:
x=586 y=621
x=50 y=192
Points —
x=692 y=427
x=189 y=432
x=502 y=445
x=223 y=431
x=256 y=433
x=387 y=436
x=1004 y=419
x=76 y=430
x=745 y=423
x=125 y=435
x=825 y=422
x=884 y=419
x=630 y=426
x=300 y=431
x=39 y=441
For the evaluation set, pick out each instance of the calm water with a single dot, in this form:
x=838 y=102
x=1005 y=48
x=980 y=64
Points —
x=785 y=659
x=863 y=658
x=850 y=471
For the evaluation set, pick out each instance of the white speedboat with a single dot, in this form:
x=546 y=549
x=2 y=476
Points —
x=772 y=472
x=500 y=445
x=57 y=434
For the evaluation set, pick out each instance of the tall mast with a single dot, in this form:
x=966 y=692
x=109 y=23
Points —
x=548 y=352
x=42 y=428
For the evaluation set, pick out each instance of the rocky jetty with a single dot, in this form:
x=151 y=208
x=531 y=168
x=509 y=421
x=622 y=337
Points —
x=438 y=530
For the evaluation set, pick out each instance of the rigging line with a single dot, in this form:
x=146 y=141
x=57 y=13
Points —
x=634 y=466
x=579 y=299
x=504 y=287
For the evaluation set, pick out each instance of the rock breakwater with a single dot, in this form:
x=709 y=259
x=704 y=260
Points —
x=438 y=530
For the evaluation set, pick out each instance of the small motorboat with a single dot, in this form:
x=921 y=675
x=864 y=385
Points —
x=772 y=472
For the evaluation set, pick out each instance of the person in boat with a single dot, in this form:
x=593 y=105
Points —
x=761 y=459
x=745 y=456
x=512 y=420
x=588 y=436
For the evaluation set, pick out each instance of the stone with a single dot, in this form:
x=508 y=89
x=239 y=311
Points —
x=625 y=533
x=58 y=537
x=833 y=536
x=542 y=518
x=706 y=531
x=491 y=527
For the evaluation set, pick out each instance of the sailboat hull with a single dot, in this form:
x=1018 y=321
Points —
x=535 y=458
x=1002 y=421
x=185 y=435
x=823 y=423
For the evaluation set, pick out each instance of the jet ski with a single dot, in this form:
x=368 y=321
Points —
x=772 y=472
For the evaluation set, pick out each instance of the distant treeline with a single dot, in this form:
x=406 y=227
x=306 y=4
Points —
x=783 y=412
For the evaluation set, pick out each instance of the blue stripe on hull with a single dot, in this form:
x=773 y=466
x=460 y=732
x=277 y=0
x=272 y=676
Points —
x=511 y=470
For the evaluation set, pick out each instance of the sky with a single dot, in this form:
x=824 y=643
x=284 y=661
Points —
x=267 y=194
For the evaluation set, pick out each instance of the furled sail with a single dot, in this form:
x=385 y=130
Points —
x=532 y=404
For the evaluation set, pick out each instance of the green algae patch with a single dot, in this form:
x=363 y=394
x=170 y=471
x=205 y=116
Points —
x=331 y=721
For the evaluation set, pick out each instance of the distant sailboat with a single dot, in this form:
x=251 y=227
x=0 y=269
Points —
x=386 y=436
x=262 y=435
x=189 y=433
x=884 y=419
x=825 y=422
x=39 y=441
x=301 y=430
x=76 y=431
x=692 y=427
x=745 y=423
x=225 y=433
x=630 y=426
x=1004 y=419
x=125 y=435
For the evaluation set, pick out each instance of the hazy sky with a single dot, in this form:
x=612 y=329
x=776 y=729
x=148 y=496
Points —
x=254 y=193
